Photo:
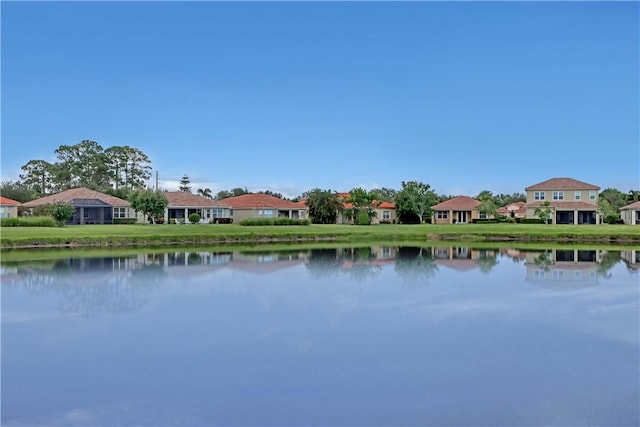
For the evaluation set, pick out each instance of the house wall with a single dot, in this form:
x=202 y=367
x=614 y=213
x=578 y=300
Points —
x=8 y=211
x=569 y=196
x=471 y=215
x=629 y=216
x=245 y=213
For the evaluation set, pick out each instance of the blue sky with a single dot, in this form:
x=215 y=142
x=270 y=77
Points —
x=290 y=96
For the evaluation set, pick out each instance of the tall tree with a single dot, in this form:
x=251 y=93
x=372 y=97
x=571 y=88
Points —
x=128 y=167
x=223 y=194
x=633 y=196
x=416 y=197
x=324 y=206
x=86 y=164
x=385 y=194
x=487 y=204
x=543 y=211
x=38 y=176
x=271 y=193
x=205 y=192
x=184 y=184
x=361 y=201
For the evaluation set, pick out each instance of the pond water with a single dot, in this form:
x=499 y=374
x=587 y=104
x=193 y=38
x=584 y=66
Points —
x=375 y=336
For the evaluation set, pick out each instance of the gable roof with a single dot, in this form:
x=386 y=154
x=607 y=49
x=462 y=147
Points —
x=460 y=203
x=250 y=201
x=516 y=207
x=184 y=199
x=635 y=206
x=77 y=194
x=562 y=184
x=383 y=204
x=8 y=201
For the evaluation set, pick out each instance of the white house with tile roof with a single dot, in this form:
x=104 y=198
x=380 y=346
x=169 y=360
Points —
x=630 y=214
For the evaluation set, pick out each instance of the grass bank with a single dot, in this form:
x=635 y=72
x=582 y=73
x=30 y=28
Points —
x=160 y=235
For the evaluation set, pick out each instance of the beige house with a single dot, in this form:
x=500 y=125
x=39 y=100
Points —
x=514 y=210
x=630 y=214
x=563 y=269
x=263 y=206
x=459 y=210
x=571 y=201
x=385 y=212
x=182 y=204
x=8 y=207
x=91 y=207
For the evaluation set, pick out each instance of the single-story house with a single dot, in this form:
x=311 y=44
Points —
x=263 y=206
x=8 y=207
x=183 y=204
x=92 y=207
x=514 y=210
x=459 y=210
x=630 y=214
x=571 y=201
x=385 y=212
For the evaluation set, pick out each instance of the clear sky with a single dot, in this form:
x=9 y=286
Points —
x=290 y=96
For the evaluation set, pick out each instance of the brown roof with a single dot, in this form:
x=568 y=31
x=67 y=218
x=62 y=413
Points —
x=8 y=201
x=249 y=201
x=460 y=203
x=77 y=193
x=184 y=199
x=565 y=205
x=633 y=206
x=562 y=184
x=517 y=207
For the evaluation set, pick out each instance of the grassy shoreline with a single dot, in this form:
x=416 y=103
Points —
x=161 y=235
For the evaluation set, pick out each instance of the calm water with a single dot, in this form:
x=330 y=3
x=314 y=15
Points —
x=352 y=336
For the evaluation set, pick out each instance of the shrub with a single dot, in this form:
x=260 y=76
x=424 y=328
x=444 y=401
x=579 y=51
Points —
x=531 y=221
x=40 y=221
x=483 y=221
x=194 y=218
x=364 y=219
x=274 y=221
x=61 y=212
x=124 y=220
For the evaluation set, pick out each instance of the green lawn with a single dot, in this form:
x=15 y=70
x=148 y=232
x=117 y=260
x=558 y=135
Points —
x=124 y=235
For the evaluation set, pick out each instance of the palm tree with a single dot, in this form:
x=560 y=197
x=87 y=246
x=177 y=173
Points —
x=205 y=192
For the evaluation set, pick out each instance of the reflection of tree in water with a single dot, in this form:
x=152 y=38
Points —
x=608 y=261
x=94 y=285
x=486 y=263
x=415 y=265
x=543 y=260
x=323 y=263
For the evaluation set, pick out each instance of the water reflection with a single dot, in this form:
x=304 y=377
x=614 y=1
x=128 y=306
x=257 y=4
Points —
x=360 y=335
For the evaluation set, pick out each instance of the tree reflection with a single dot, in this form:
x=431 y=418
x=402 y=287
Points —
x=415 y=265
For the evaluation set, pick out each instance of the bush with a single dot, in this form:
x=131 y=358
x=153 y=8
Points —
x=364 y=219
x=222 y=221
x=194 y=218
x=124 y=220
x=40 y=221
x=274 y=221
x=484 y=221
x=531 y=221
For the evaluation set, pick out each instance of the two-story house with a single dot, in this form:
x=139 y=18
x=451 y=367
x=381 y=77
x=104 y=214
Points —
x=570 y=201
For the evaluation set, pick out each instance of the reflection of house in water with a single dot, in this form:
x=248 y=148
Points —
x=631 y=258
x=563 y=268
x=260 y=263
x=369 y=255
x=462 y=258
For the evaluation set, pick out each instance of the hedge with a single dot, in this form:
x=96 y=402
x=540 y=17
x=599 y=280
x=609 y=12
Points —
x=38 y=221
x=274 y=221
x=124 y=220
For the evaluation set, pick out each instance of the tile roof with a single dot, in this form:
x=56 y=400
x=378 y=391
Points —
x=77 y=193
x=8 y=201
x=565 y=205
x=250 y=201
x=633 y=206
x=460 y=203
x=562 y=184
x=517 y=207
x=183 y=199
x=383 y=204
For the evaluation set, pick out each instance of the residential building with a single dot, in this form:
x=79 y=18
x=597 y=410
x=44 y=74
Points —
x=8 y=207
x=630 y=214
x=459 y=210
x=563 y=269
x=263 y=206
x=91 y=207
x=514 y=210
x=570 y=201
x=182 y=204
x=385 y=212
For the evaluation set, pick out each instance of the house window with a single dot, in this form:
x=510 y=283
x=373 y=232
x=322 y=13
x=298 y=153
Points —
x=577 y=195
x=218 y=212
x=265 y=213
x=2 y=213
x=592 y=194
x=482 y=215
x=538 y=195
x=117 y=212
x=443 y=214
x=386 y=215
x=558 y=195
x=558 y=274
